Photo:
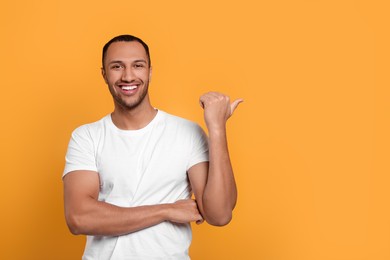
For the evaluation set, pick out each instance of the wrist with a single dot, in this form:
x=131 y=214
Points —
x=217 y=130
x=166 y=211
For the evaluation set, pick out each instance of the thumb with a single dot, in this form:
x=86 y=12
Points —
x=198 y=222
x=235 y=104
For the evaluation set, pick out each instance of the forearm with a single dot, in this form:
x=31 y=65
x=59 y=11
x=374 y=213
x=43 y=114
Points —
x=100 y=218
x=220 y=194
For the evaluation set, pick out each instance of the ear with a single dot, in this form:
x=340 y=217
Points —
x=150 y=74
x=104 y=75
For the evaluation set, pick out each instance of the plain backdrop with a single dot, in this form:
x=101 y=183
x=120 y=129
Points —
x=309 y=145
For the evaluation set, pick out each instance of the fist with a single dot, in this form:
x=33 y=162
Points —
x=217 y=108
x=185 y=211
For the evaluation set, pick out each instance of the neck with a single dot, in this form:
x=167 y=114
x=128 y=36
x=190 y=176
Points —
x=133 y=119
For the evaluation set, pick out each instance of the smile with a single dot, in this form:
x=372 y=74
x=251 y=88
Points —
x=128 y=87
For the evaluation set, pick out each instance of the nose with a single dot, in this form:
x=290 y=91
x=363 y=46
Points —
x=128 y=74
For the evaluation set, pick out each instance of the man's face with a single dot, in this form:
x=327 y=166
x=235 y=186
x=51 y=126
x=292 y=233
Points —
x=127 y=73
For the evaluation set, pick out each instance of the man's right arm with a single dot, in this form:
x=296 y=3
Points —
x=85 y=214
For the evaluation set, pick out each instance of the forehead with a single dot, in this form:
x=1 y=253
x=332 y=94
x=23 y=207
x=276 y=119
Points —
x=125 y=51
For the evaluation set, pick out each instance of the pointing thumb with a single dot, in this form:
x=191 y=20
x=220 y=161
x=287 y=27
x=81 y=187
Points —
x=234 y=105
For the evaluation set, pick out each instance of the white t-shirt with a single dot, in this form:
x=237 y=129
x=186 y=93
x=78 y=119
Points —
x=140 y=167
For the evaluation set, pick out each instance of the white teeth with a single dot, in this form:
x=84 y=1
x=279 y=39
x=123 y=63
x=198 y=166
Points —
x=129 y=87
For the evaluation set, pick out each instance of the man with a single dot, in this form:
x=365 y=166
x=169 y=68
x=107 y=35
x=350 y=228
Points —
x=128 y=177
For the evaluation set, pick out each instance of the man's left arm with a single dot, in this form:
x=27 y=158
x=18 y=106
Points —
x=213 y=182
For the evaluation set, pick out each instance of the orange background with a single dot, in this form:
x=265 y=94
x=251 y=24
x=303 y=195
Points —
x=310 y=144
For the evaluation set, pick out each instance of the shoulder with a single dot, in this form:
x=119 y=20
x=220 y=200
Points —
x=182 y=128
x=177 y=121
x=90 y=129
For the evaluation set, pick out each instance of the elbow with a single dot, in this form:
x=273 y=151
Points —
x=74 y=224
x=220 y=221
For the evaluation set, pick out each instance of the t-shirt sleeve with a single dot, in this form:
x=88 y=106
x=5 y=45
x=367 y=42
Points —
x=200 y=148
x=80 y=154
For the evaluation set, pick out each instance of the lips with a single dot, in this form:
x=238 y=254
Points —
x=128 y=89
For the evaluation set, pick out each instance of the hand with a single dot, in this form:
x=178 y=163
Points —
x=185 y=211
x=217 y=108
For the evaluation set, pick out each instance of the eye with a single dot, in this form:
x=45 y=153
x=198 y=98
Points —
x=138 y=65
x=116 y=66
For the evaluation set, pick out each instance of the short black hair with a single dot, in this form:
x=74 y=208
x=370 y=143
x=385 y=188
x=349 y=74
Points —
x=125 y=38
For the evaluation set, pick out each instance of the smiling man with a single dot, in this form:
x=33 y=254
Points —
x=129 y=177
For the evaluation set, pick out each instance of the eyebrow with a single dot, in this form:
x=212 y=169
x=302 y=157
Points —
x=120 y=61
